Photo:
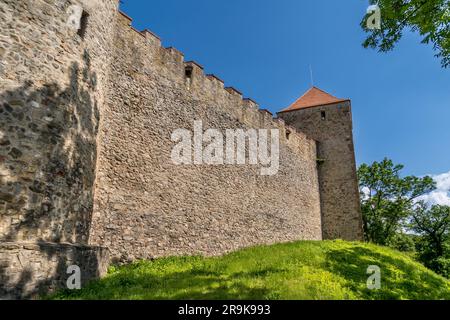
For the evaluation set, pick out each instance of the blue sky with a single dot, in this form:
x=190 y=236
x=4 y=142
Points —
x=401 y=100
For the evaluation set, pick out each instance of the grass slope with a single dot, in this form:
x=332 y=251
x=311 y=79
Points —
x=300 y=270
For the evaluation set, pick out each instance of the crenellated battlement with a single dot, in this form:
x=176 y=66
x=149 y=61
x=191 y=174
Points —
x=203 y=83
x=152 y=38
x=124 y=19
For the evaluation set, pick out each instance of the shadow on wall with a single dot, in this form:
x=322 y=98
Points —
x=35 y=270
x=47 y=166
x=47 y=160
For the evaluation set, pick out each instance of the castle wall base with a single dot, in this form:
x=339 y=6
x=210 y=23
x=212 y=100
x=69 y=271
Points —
x=28 y=270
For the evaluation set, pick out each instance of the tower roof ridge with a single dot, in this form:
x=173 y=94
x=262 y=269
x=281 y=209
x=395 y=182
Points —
x=314 y=97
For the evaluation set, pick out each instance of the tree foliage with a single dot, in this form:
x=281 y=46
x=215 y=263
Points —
x=433 y=225
x=430 y=18
x=393 y=215
x=387 y=198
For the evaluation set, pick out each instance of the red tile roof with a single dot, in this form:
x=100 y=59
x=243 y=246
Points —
x=314 y=97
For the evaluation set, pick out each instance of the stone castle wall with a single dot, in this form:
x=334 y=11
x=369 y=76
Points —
x=85 y=152
x=28 y=270
x=52 y=86
x=146 y=206
x=51 y=96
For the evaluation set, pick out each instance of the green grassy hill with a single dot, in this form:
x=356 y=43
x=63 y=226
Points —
x=300 y=270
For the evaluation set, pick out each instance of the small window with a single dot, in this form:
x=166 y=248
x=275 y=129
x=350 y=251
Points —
x=188 y=72
x=323 y=115
x=288 y=134
x=83 y=24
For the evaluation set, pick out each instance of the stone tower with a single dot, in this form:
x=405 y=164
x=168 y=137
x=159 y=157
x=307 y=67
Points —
x=328 y=120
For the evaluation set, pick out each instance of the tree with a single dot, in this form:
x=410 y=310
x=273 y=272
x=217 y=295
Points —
x=387 y=199
x=430 y=18
x=433 y=225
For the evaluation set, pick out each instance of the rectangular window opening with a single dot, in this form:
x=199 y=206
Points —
x=323 y=115
x=83 y=24
x=188 y=72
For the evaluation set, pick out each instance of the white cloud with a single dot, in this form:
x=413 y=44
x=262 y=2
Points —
x=365 y=193
x=443 y=181
x=442 y=193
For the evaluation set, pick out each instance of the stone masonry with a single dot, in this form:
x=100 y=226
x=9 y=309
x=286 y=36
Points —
x=331 y=126
x=86 y=177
